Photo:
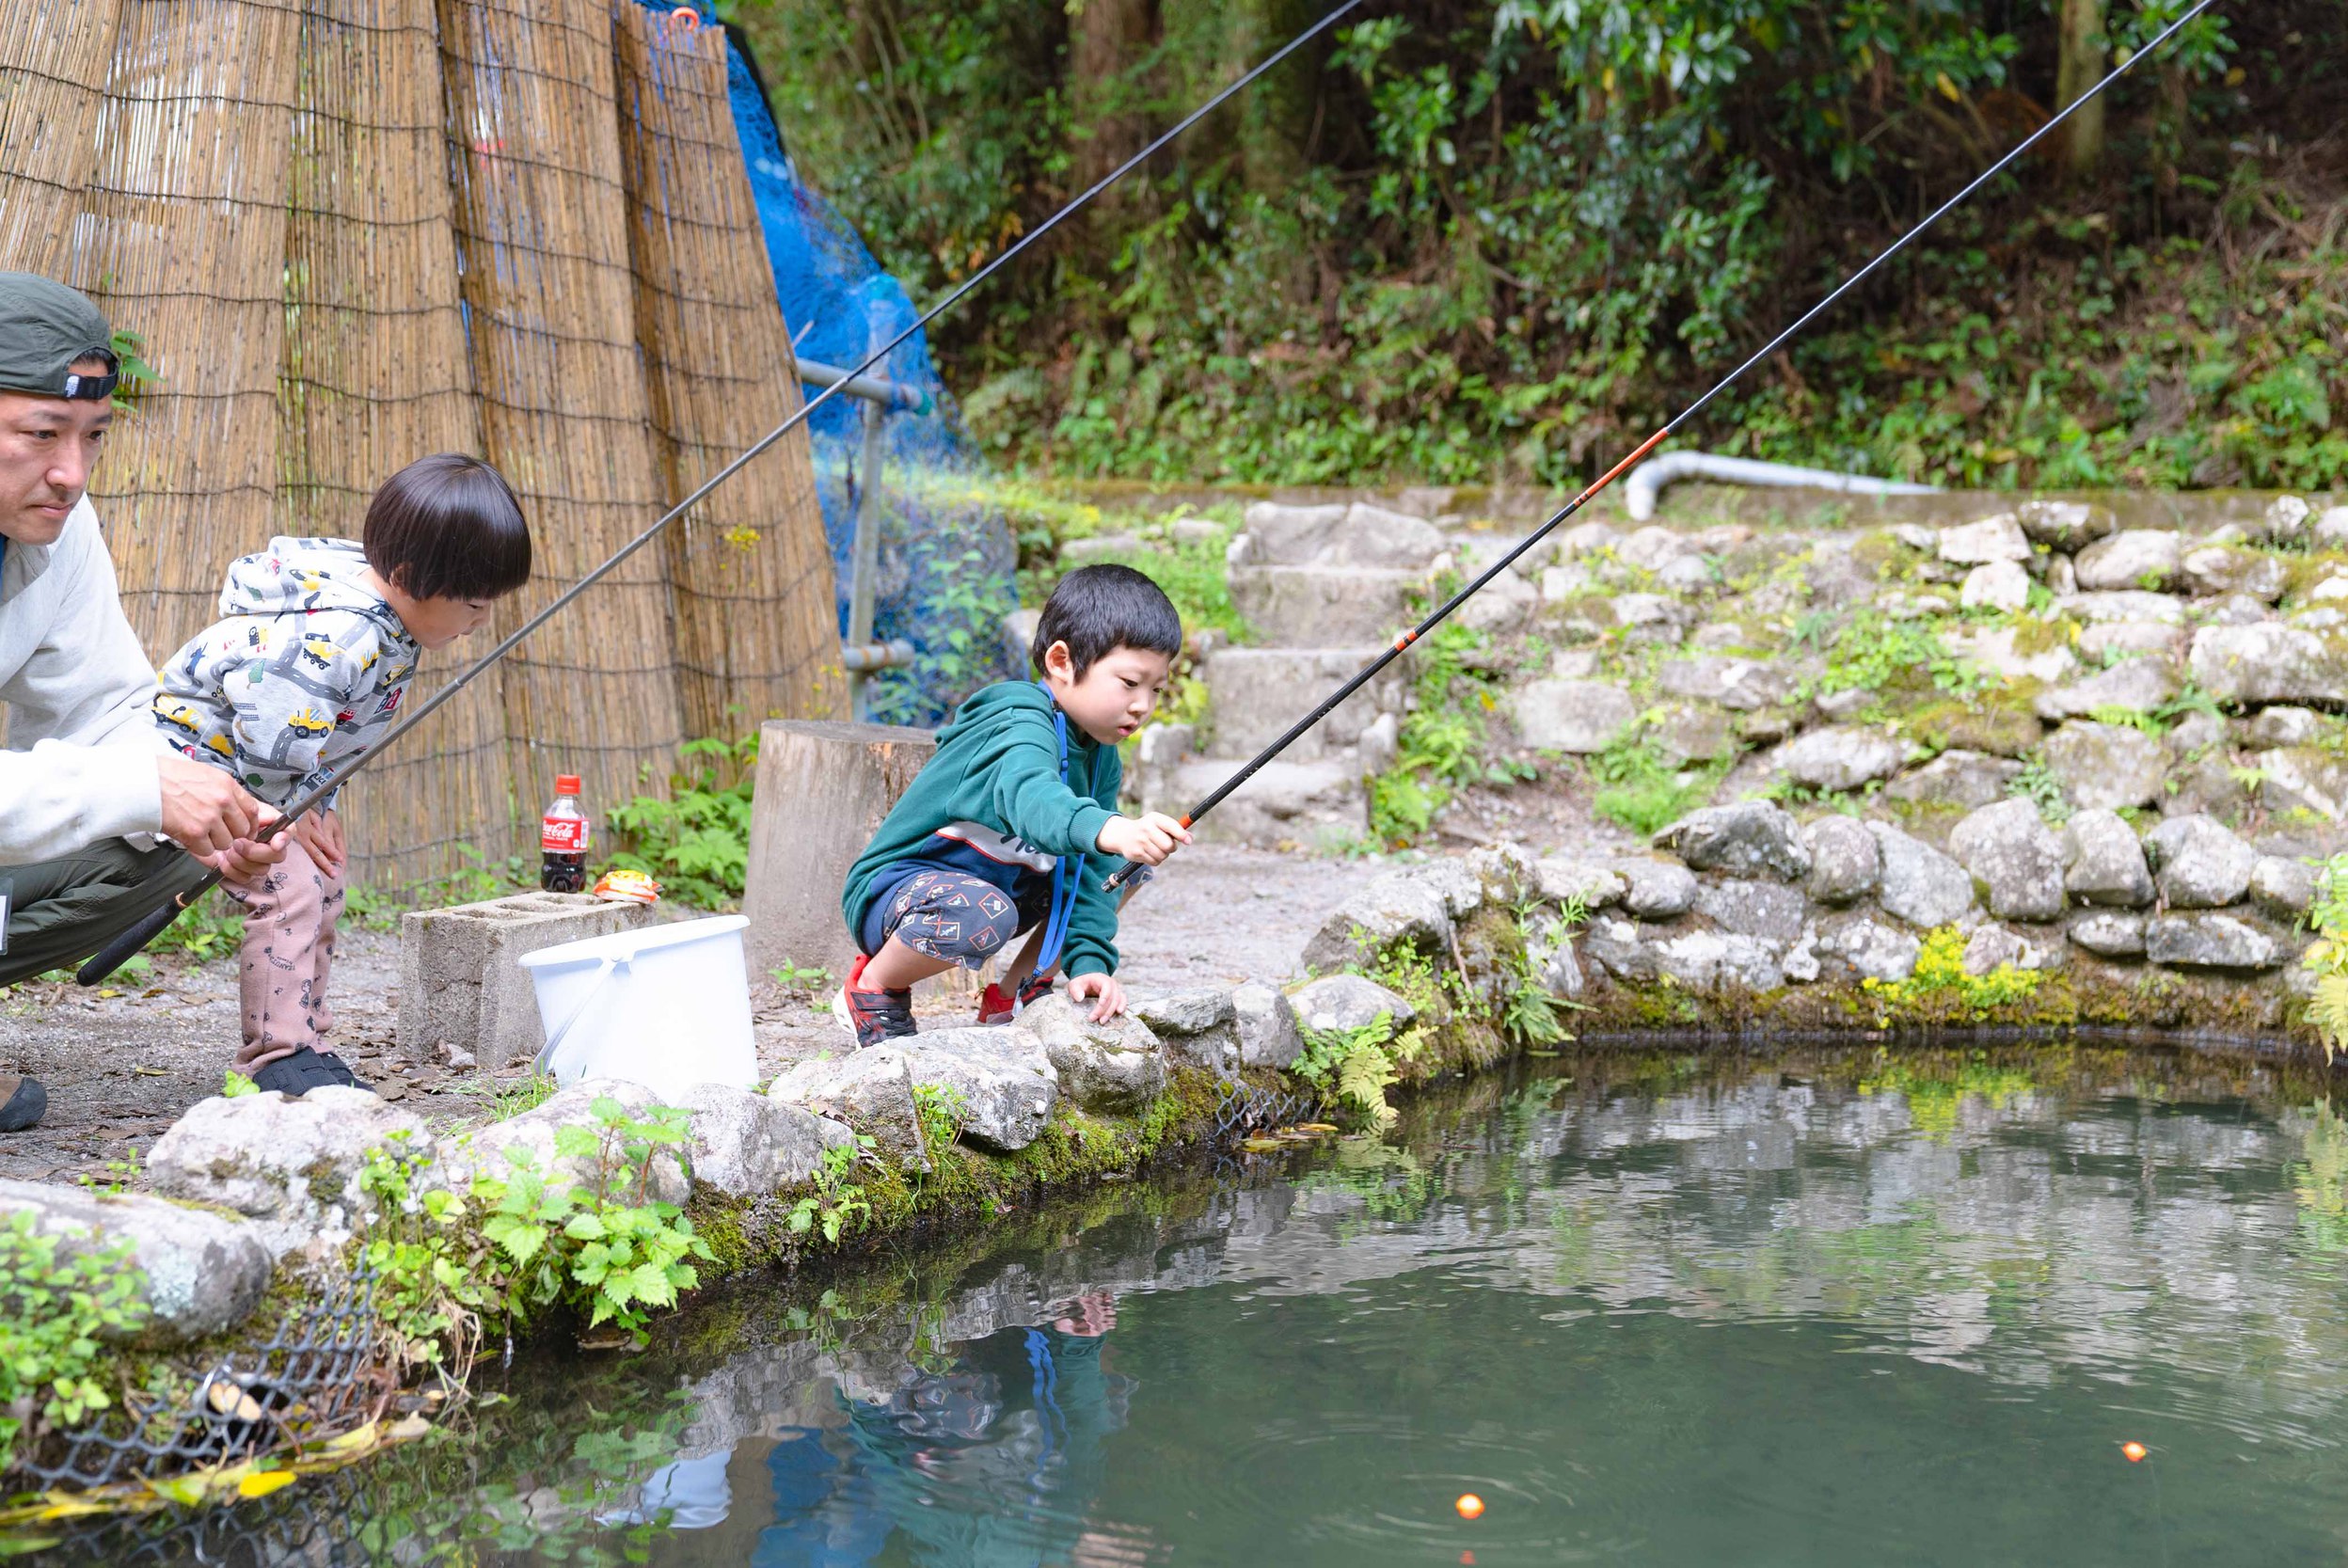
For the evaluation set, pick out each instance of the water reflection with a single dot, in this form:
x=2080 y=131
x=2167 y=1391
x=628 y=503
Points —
x=1590 y=1295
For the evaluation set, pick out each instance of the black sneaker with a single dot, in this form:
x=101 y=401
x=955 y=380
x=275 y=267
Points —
x=306 y=1070
x=873 y=1015
x=23 y=1102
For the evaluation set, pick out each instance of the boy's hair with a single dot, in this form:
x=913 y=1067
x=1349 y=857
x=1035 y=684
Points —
x=448 y=527
x=1095 y=609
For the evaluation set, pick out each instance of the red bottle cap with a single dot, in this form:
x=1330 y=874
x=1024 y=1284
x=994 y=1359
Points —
x=566 y=784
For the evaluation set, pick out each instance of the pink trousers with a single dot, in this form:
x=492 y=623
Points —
x=289 y=912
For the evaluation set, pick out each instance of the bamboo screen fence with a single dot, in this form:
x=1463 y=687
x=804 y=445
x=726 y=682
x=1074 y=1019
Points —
x=351 y=232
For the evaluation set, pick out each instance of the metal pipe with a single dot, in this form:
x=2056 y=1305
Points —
x=1648 y=479
x=865 y=569
x=872 y=388
x=863 y=656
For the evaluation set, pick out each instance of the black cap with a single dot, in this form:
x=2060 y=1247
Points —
x=45 y=328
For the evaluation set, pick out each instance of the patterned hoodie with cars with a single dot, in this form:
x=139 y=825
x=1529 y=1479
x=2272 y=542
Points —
x=304 y=672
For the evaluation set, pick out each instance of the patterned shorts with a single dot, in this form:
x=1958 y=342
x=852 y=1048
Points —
x=957 y=918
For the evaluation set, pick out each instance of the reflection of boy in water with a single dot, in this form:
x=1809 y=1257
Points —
x=991 y=1463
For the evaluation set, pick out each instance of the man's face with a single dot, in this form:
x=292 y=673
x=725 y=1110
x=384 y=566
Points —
x=47 y=448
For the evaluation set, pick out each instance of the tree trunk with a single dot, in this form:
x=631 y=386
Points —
x=2079 y=66
x=1275 y=117
x=1109 y=41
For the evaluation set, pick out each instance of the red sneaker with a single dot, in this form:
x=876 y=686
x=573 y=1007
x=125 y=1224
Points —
x=995 y=1007
x=873 y=1016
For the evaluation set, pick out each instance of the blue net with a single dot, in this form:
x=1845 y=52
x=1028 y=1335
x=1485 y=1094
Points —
x=947 y=559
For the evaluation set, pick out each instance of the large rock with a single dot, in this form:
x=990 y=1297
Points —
x=2000 y=585
x=1844 y=863
x=2286 y=520
x=2135 y=685
x=1957 y=779
x=2138 y=558
x=1562 y=879
x=1549 y=957
x=2101 y=643
x=1998 y=732
x=1752 y=838
x=2283 y=725
x=1266 y=1020
x=196 y=1273
x=2270 y=663
x=2103 y=862
x=1991 y=539
x=1656 y=889
x=1619 y=948
x=1870 y=949
x=1500 y=605
x=2015 y=857
x=1115 y=1069
x=2065 y=526
x=2110 y=933
x=2201 y=940
x=1768 y=911
x=1396 y=910
x=291 y=1164
x=1743 y=684
x=1577 y=716
x=1921 y=885
x=1682 y=732
x=534 y=1138
x=1714 y=961
x=745 y=1145
x=2198 y=863
x=2138 y=607
x=2283 y=887
x=2106 y=765
x=1195 y=1025
x=2001 y=652
x=999 y=1079
x=1840 y=757
x=1346 y=1002
x=1362 y=534
x=2303 y=778
x=2224 y=569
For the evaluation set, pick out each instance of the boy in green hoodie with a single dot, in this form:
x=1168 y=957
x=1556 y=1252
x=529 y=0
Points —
x=1013 y=823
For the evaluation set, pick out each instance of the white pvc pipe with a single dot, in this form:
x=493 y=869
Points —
x=1648 y=477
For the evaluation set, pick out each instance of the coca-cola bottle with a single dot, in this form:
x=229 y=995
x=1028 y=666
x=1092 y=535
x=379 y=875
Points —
x=563 y=840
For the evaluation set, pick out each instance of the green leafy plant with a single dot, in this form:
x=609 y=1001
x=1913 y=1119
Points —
x=1643 y=791
x=2037 y=784
x=2327 y=957
x=942 y=1111
x=1357 y=1066
x=837 y=1206
x=697 y=840
x=52 y=1311
x=510 y=1096
x=802 y=981
x=1442 y=744
x=136 y=374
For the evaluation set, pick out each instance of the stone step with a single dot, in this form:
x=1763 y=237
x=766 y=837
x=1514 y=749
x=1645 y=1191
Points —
x=1254 y=695
x=1314 y=803
x=1360 y=534
x=1322 y=606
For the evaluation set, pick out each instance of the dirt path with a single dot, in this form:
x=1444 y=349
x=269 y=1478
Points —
x=121 y=1063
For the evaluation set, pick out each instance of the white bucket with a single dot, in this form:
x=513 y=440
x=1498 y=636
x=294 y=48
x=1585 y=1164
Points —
x=667 y=1007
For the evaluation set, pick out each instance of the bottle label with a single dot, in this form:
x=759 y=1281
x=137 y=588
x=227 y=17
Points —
x=563 y=835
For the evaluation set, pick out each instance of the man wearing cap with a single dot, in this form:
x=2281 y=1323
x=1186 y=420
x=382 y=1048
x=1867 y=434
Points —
x=87 y=786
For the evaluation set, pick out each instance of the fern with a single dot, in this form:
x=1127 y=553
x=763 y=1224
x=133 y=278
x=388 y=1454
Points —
x=1362 y=1080
x=2328 y=1009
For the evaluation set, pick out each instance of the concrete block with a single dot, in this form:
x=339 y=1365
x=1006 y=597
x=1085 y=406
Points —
x=462 y=986
x=821 y=792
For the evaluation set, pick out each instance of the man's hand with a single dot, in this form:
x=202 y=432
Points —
x=204 y=810
x=1149 y=838
x=320 y=833
x=1109 y=996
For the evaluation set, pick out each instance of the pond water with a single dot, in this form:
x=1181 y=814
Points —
x=1830 y=1309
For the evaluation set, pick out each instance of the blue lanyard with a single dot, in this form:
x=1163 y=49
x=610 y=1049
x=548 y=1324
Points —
x=1067 y=873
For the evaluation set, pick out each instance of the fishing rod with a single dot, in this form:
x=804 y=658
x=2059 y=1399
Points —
x=1362 y=677
x=123 y=948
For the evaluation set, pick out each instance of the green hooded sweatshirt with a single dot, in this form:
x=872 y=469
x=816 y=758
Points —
x=990 y=802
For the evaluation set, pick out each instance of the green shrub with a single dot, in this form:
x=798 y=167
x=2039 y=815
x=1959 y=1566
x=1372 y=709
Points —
x=697 y=841
x=52 y=1313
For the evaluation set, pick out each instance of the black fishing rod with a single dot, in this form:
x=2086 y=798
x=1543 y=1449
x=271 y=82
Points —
x=124 y=946
x=1362 y=676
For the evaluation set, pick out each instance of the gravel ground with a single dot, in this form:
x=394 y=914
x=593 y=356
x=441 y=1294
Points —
x=121 y=1063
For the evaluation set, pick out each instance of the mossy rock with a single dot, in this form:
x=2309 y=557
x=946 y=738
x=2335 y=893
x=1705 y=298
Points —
x=2000 y=724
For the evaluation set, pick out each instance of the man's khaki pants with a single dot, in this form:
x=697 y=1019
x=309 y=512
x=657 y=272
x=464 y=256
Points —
x=62 y=910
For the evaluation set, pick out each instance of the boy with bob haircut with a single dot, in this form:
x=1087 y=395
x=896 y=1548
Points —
x=318 y=642
x=1013 y=823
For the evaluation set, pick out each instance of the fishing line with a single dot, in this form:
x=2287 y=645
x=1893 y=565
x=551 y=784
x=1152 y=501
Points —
x=119 y=951
x=1362 y=677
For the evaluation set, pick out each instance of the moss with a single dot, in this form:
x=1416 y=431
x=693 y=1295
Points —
x=1884 y=558
x=2000 y=722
